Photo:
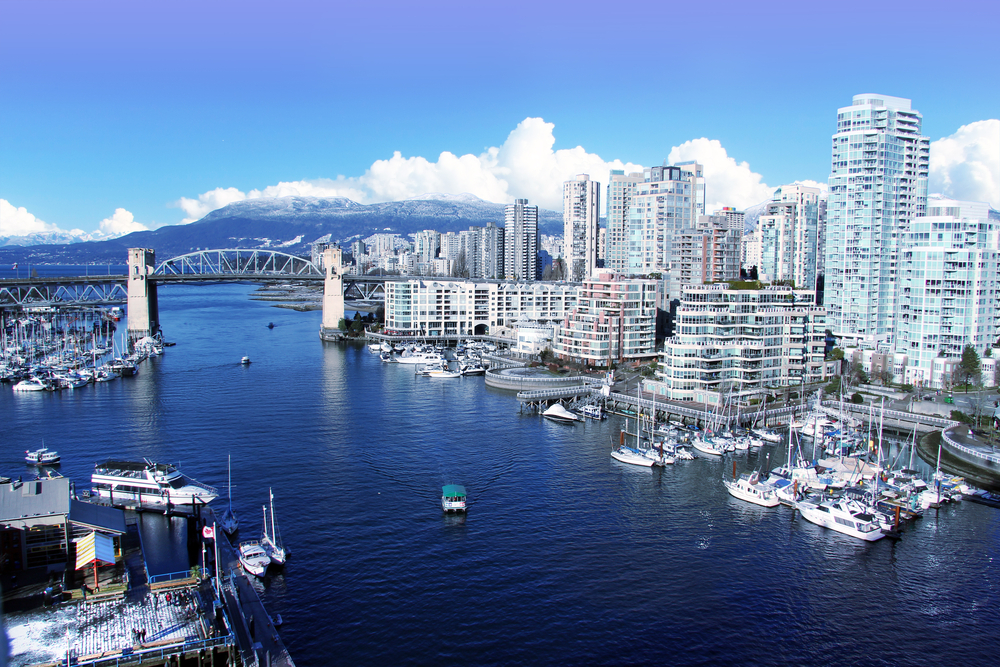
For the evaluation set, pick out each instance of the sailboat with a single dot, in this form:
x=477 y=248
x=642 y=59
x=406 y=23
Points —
x=229 y=523
x=272 y=541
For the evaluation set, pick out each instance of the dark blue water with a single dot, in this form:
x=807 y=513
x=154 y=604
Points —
x=565 y=557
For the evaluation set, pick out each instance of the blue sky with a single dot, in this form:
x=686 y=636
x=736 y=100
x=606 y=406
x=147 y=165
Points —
x=136 y=105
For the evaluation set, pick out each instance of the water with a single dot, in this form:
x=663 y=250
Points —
x=565 y=557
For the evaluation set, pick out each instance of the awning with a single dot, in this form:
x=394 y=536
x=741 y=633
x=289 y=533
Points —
x=95 y=547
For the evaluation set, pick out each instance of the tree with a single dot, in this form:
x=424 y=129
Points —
x=970 y=368
x=342 y=325
x=833 y=387
x=885 y=375
x=856 y=372
x=857 y=398
x=836 y=354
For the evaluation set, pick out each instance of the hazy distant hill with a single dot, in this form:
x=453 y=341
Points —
x=288 y=223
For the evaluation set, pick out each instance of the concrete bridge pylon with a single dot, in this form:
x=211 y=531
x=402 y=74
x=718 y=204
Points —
x=333 y=294
x=143 y=308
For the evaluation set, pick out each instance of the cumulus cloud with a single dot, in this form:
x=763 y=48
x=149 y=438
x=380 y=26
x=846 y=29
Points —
x=16 y=221
x=524 y=166
x=119 y=224
x=727 y=182
x=966 y=164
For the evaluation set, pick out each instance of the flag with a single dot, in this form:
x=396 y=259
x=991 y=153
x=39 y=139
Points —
x=208 y=533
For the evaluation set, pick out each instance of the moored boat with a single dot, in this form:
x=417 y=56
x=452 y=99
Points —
x=838 y=515
x=147 y=482
x=632 y=457
x=253 y=558
x=557 y=413
x=749 y=489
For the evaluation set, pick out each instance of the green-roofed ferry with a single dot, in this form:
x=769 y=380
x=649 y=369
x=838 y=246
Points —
x=453 y=498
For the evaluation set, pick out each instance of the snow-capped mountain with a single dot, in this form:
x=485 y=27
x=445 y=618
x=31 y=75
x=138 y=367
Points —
x=291 y=223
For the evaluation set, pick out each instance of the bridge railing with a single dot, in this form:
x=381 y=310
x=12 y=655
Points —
x=992 y=458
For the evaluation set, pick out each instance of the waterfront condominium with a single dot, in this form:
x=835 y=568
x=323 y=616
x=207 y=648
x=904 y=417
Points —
x=789 y=236
x=878 y=185
x=521 y=241
x=581 y=221
x=741 y=343
x=662 y=205
x=620 y=191
x=949 y=286
x=613 y=320
x=491 y=255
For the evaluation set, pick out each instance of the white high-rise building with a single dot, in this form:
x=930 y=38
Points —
x=521 y=240
x=581 y=222
x=662 y=206
x=949 y=286
x=878 y=185
x=788 y=234
x=491 y=255
x=620 y=191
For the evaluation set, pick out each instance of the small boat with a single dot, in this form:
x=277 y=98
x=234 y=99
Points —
x=592 y=411
x=245 y=361
x=33 y=384
x=766 y=434
x=707 y=447
x=272 y=541
x=453 y=498
x=253 y=558
x=442 y=372
x=840 y=516
x=557 y=413
x=749 y=489
x=41 y=457
x=229 y=523
x=632 y=456
x=474 y=369
x=983 y=498
x=276 y=620
x=270 y=325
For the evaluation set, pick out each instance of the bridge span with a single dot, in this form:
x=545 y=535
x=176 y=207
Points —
x=139 y=287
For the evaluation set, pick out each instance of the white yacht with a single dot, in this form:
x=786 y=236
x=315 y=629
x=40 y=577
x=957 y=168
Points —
x=557 y=413
x=707 y=447
x=147 y=482
x=420 y=358
x=749 y=489
x=32 y=384
x=253 y=558
x=840 y=516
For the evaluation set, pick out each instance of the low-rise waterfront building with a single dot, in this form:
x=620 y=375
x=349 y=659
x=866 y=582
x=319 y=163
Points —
x=740 y=342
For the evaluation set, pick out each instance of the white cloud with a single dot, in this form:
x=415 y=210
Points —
x=16 y=221
x=966 y=165
x=727 y=182
x=119 y=224
x=524 y=166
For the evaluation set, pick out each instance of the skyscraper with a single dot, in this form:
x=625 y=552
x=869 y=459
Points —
x=662 y=206
x=878 y=184
x=520 y=240
x=620 y=191
x=581 y=220
x=789 y=236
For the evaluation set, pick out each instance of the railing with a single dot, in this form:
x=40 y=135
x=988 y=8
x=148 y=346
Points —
x=170 y=576
x=992 y=458
x=542 y=394
x=161 y=653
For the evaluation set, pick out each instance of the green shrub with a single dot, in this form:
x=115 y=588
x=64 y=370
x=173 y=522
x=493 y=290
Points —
x=857 y=398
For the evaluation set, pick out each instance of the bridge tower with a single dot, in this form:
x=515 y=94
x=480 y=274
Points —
x=143 y=309
x=333 y=294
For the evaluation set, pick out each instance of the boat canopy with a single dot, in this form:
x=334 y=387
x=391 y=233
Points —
x=453 y=490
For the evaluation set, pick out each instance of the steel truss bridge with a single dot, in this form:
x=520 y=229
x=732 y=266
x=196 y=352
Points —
x=203 y=266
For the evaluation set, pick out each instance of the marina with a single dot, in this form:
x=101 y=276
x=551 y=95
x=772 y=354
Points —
x=710 y=577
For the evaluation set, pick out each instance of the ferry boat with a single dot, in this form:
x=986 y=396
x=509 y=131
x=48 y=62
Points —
x=147 y=482
x=41 y=457
x=453 y=498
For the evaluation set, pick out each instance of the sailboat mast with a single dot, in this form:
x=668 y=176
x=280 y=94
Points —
x=273 y=531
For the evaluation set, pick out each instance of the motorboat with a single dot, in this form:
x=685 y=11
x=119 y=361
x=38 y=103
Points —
x=453 y=498
x=840 y=516
x=420 y=358
x=245 y=361
x=42 y=457
x=442 y=372
x=591 y=411
x=473 y=369
x=229 y=523
x=254 y=558
x=33 y=384
x=766 y=434
x=748 y=488
x=557 y=413
x=632 y=456
x=271 y=541
x=147 y=482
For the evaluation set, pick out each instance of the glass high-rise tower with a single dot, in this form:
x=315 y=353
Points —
x=878 y=184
